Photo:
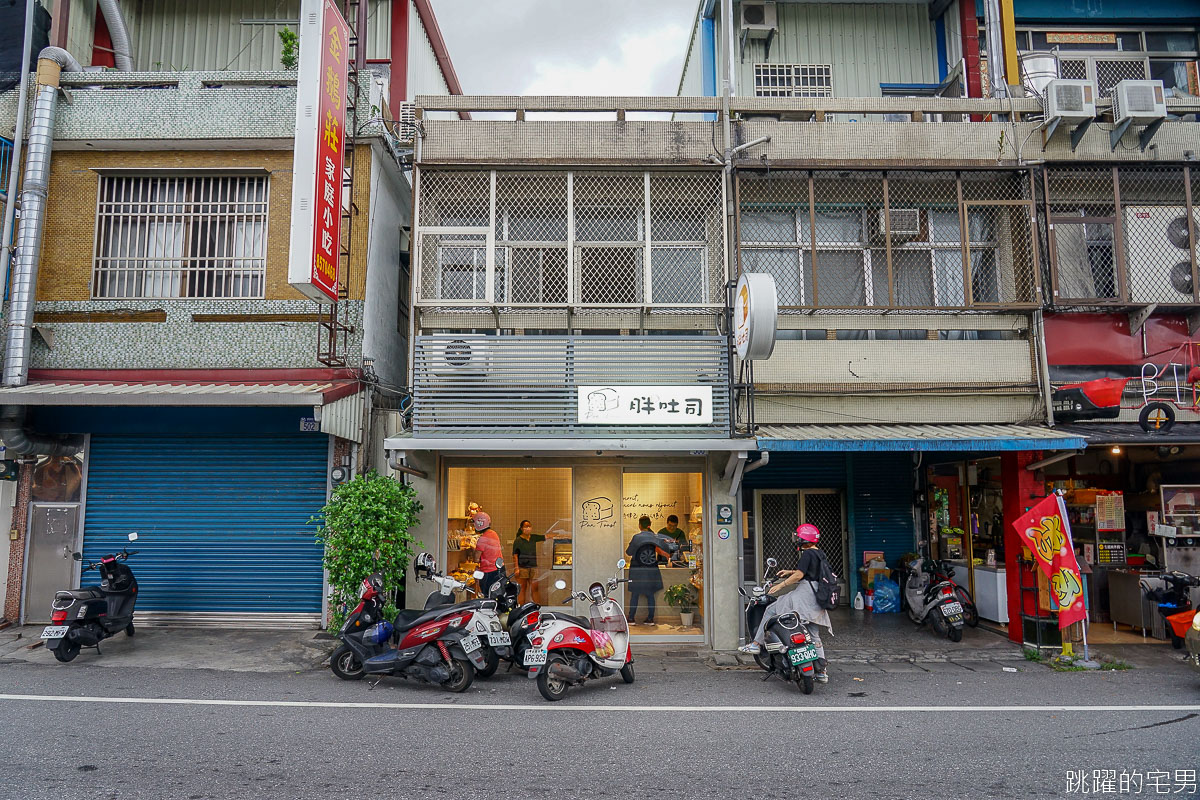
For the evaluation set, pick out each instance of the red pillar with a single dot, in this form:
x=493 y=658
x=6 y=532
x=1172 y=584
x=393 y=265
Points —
x=970 y=47
x=1021 y=490
x=399 y=56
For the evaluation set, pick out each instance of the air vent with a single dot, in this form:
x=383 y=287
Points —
x=406 y=121
x=1071 y=101
x=759 y=18
x=905 y=221
x=463 y=356
x=1141 y=102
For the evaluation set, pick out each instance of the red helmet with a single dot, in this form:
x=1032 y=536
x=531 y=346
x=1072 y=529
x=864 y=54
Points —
x=808 y=533
x=481 y=521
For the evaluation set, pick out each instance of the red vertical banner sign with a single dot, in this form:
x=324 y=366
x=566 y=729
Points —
x=320 y=150
x=1046 y=530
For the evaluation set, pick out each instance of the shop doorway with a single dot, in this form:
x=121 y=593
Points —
x=780 y=511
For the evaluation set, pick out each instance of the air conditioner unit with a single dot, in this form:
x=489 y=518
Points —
x=466 y=355
x=1157 y=254
x=1139 y=101
x=406 y=121
x=1071 y=101
x=759 y=19
x=905 y=221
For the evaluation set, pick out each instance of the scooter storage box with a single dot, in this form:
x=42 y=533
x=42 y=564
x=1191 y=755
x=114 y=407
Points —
x=378 y=634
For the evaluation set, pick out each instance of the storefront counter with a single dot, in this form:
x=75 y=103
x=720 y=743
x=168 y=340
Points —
x=663 y=614
x=991 y=593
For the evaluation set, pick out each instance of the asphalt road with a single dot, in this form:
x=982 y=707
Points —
x=681 y=731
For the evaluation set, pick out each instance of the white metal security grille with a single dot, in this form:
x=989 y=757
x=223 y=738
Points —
x=588 y=239
x=793 y=80
x=180 y=236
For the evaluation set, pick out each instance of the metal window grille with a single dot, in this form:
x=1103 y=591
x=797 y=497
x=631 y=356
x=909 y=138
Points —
x=179 y=237
x=793 y=80
x=851 y=240
x=587 y=238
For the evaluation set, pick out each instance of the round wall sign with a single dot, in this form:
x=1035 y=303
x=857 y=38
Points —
x=723 y=533
x=755 y=309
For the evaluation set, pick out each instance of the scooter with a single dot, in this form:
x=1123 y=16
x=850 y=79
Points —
x=86 y=616
x=434 y=646
x=788 y=653
x=347 y=660
x=944 y=571
x=933 y=601
x=485 y=619
x=565 y=650
x=1174 y=601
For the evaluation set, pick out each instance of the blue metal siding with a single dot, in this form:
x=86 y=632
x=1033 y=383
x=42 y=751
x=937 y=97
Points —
x=796 y=471
x=1143 y=12
x=882 y=504
x=223 y=521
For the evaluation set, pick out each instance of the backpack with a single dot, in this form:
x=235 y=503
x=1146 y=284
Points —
x=825 y=585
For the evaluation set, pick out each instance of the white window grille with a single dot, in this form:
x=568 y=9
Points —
x=793 y=80
x=180 y=237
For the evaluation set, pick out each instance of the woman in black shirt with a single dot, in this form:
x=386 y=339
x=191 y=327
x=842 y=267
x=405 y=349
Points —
x=525 y=552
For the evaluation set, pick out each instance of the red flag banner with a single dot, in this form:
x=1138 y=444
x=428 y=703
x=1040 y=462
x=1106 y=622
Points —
x=1046 y=531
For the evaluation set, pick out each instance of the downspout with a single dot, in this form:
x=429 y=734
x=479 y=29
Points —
x=51 y=62
x=995 y=49
x=111 y=9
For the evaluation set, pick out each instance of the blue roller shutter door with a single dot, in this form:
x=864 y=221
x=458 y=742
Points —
x=223 y=521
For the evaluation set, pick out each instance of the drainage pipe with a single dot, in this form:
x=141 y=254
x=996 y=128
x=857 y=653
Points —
x=14 y=163
x=111 y=10
x=20 y=441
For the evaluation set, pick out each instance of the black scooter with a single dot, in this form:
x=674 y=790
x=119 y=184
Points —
x=86 y=616
x=788 y=654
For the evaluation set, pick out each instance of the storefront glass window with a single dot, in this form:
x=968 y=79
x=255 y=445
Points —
x=665 y=592
x=540 y=550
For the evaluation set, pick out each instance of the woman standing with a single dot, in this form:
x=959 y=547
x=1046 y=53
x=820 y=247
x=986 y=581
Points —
x=645 y=580
x=525 y=554
x=488 y=546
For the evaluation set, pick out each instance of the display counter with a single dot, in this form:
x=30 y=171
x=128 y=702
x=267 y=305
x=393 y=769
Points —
x=991 y=593
x=664 y=613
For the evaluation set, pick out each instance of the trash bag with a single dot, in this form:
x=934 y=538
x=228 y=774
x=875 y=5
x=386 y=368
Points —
x=887 y=596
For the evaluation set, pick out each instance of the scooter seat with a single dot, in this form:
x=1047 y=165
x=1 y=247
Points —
x=559 y=615
x=83 y=593
x=411 y=618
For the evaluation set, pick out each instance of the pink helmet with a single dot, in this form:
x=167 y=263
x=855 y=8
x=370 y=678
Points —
x=481 y=521
x=808 y=533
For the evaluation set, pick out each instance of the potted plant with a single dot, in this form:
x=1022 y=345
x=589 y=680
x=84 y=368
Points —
x=682 y=596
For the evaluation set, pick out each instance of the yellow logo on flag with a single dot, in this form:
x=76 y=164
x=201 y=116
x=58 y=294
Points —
x=1048 y=538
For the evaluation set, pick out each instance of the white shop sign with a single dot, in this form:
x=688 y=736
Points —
x=645 y=405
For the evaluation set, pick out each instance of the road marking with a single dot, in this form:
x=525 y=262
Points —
x=188 y=701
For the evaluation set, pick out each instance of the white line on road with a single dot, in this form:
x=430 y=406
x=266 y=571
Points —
x=188 y=701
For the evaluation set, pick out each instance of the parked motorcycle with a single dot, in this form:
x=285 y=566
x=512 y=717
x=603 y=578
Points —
x=944 y=571
x=1174 y=600
x=788 y=653
x=86 y=616
x=933 y=601
x=434 y=646
x=347 y=660
x=485 y=619
x=566 y=650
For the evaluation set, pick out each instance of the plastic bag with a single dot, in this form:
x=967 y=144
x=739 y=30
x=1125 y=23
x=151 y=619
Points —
x=887 y=596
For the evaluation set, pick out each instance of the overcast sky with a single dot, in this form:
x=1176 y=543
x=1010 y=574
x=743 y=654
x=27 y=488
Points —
x=567 y=47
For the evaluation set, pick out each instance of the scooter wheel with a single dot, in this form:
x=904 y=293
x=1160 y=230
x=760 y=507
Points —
x=345 y=664
x=66 y=650
x=1176 y=642
x=551 y=688
x=806 y=683
x=938 y=623
x=129 y=629
x=955 y=634
x=462 y=675
x=627 y=673
x=493 y=663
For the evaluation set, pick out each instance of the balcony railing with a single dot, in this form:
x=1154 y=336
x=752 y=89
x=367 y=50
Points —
x=1122 y=236
x=570 y=239
x=891 y=240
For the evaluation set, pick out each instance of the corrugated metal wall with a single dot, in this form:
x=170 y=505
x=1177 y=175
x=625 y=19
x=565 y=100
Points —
x=210 y=34
x=223 y=521
x=81 y=29
x=424 y=74
x=692 y=82
x=865 y=44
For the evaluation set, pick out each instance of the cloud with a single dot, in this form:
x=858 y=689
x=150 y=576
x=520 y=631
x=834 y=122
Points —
x=647 y=64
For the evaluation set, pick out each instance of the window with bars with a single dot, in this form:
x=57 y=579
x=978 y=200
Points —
x=793 y=80
x=180 y=237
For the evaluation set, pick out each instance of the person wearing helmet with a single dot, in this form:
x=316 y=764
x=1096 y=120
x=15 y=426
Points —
x=488 y=546
x=801 y=599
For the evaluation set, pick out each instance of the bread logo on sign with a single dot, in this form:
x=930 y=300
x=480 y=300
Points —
x=596 y=509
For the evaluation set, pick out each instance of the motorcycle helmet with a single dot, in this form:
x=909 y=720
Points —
x=808 y=533
x=481 y=521
x=425 y=566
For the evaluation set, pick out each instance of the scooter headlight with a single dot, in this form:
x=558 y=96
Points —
x=1196 y=622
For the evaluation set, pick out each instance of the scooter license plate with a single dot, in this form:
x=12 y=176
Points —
x=471 y=643
x=535 y=656
x=55 y=631
x=952 y=608
x=802 y=655
x=499 y=639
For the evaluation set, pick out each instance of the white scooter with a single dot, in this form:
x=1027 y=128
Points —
x=932 y=601
x=485 y=618
x=565 y=650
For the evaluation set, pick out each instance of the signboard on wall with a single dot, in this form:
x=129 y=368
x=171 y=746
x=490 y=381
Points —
x=319 y=154
x=755 y=316
x=645 y=405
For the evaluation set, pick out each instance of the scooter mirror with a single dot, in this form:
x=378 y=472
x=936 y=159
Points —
x=560 y=584
x=133 y=536
x=77 y=556
x=621 y=564
x=772 y=563
x=477 y=575
x=499 y=563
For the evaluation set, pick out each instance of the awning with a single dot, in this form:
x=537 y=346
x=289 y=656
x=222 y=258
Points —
x=915 y=438
x=177 y=393
x=1130 y=433
x=588 y=445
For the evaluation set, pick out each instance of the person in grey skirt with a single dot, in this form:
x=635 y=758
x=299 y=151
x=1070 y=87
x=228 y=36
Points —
x=801 y=598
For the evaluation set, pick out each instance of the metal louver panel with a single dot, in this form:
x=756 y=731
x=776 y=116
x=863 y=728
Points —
x=222 y=521
x=486 y=385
